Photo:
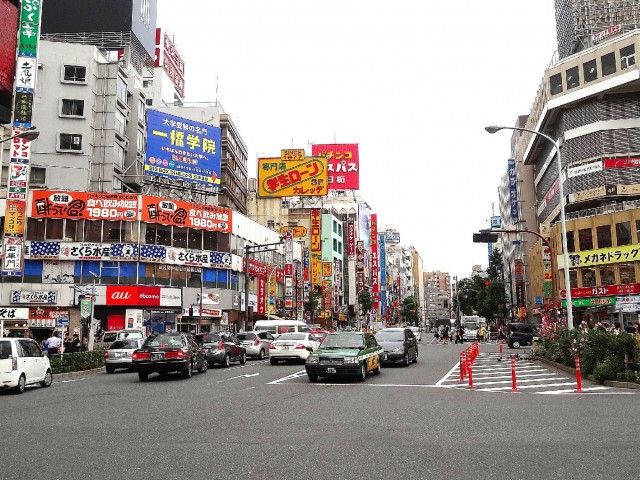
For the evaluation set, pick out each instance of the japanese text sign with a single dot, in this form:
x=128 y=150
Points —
x=186 y=214
x=343 y=165
x=292 y=154
x=298 y=231
x=327 y=269
x=84 y=205
x=182 y=149
x=603 y=256
x=316 y=226
x=277 y=178
x=351 y=240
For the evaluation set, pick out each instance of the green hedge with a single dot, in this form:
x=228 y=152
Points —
x=603 y=354
x=76 y=362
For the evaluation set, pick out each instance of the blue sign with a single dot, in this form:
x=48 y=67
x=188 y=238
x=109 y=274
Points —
x=513 y=189
x=382 y=244
x=63 y=321
x=182 y=149
x=538 y=301
x=496 y=222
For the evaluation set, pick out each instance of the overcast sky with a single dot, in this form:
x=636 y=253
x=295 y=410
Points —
x=413 y=82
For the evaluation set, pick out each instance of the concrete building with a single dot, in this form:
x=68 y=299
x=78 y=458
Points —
x=437 y=298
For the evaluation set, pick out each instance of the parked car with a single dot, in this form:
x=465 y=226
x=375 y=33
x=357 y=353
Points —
x=399 y=344
x=164 y=353
x=107 y=338
x=23 y=363
x=417 y=332
x=345 y=354
x=522 y=334
x=119 y=353
x=256 y=344
x=222 y=348
x=292 y=346
x=279 y=326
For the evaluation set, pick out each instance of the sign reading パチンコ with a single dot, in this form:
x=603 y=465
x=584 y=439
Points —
x=277 y=178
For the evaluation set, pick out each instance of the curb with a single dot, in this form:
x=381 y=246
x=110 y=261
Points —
x=81 y=373
x=591 y=378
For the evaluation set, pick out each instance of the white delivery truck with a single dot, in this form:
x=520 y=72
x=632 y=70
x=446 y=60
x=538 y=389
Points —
x=471 y=325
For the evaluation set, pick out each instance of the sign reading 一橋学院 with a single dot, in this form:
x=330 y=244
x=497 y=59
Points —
x=182 y=149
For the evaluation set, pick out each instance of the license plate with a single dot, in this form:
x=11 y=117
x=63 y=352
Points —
x=120 y=354
x=157 y=356
x=331 y=370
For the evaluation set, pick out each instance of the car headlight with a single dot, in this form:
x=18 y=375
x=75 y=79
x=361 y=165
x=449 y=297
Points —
x=312 y=359
x=398 y=350
x=350 y=360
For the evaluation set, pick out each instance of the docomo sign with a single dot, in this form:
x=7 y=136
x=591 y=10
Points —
x=138 y=295
x=604 y=291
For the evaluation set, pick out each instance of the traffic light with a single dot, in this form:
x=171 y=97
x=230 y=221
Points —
x=487 y=283
x=485 y=236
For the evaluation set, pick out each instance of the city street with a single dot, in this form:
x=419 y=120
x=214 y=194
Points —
x=264 y=421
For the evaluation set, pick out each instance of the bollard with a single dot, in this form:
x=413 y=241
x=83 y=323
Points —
x=470 y=374
x=476 y=349
x=500 y=349
x=462 y=366
x=514 y=387
x=578 y=377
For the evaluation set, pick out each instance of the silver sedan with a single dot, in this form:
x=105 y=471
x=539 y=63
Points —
x=118 y=355
x=256 y=343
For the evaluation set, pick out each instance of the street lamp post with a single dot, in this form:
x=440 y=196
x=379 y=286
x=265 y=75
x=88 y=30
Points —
x=563 y=222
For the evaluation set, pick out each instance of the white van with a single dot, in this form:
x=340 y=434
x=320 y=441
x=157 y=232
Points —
x=280 y=326
x=22 y=363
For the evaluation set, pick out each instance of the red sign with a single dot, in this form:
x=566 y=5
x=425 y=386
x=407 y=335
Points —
x=628 y=162
x=257 y=269
x=343 y=165
x=279 y=275
x=604 y=291
x=170 y=60
x=351 y=239
x=48 y=313
x=262 y=295
x=84 y=205
x=133 y=295
x=316 y=225
x=186 y=214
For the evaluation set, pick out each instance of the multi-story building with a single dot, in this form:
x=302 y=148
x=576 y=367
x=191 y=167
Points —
x=589 y=103
x=437 y=297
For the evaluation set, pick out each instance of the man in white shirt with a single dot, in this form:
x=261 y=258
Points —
x=53 y=343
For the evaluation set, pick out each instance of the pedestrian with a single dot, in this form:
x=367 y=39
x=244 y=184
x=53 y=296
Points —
x=85 y=344
x=53 y=343
x=584 y=326
x=502 y=336
x=68 y=345
x=75 y=343
x=445 y=335
x=482 y=333
x=436 y=336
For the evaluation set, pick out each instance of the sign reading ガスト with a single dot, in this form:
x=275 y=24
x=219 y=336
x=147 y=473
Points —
x=182 y=149
x=278 y=178
x=84 y=205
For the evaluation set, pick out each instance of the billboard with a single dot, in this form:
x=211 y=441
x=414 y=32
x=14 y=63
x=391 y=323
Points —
x=170 y=60
x=186 y=214
x=84 y=205
x=392 y=237
x=315 y=221
x=343 y=164
x=181 y=149
x=8 y=32
x=294 y=178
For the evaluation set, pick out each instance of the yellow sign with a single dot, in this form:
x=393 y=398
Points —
x=292 y=154
x=628 y=189
x=316 y=269
x=603 y=256
x=327 y=269
x=298 y=178
x=15 y=217
x=297 y=231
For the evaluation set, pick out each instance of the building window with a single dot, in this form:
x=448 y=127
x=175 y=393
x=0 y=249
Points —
x=555 y=83
x=149 y=102
x=35 y=229
x=112 y=231
x=573 y=78
x=271 y=224
x=142 y=107
x=74 y=74
x=93 y=231
x=54 y=229
x=121 y=123
x=69 y=142
x=195 y=239
x=118 y=157
x=121 y=91
x=623 y=233
x=607 y=274
x=571 y=244
x=36 y=175
x=209 y=240
x=604 y=236
x=163 y=235
x=590 y=71
x=627 y=273
x=335 y=227
x=585 y=239
x=588 y=277
x=180 y=237
x=149 y=233
x=627 y=56
x=72 y=108
x=608 y=64
x=335 y=245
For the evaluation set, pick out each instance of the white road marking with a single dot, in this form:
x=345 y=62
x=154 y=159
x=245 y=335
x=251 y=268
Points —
x=455 y=367
x=288 y=377
x=69 y=381
x=239 y=376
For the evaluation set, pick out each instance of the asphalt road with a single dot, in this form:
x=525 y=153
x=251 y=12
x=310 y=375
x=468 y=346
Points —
x=253 y=422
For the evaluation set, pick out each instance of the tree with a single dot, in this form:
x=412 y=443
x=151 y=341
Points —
x=492 y=301
x=409 y=310
x=365 y=299
x=313 y=302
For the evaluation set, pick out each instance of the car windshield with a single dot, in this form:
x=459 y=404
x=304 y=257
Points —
x=5 y=350
x=343 y=340
x=109 y=337
x=292 y=336
x=163 y=340
x=210 y=338
x=470 y=326
x=120 y=344
x=136 y=334
x=246 y=336
x=390 y=336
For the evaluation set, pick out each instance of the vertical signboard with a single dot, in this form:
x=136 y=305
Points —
x=262 y=295
x=513 y=189
x=360 y=251
x=548 y=276
x=383 y=274
x=18 y=181
x=9 y=15
x=375 y=264
x=316 y=246
x=288 y=271
x=351 y=240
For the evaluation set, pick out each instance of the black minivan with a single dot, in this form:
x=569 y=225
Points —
x=522 y=334
x=399 y=344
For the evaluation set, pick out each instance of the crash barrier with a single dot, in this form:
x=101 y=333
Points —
x=514 y=385
x=578 y=377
